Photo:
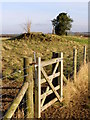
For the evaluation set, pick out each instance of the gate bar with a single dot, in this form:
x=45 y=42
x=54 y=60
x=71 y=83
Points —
x=39 y=87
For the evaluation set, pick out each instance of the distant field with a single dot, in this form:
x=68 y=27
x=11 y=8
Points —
x=14 y=50
x=4 y=38
x=82 y=40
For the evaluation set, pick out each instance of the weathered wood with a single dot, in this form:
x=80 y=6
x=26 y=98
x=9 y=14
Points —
x=49 y=92
x=29 y=93
x=47 y=89
x=61 y=82
x=55 y=80
x=54 y=76
x=55 y=55
x=75 y=63
x=51 y=85
x=16 y=101
x=36 y=101
x=36 y=88
x=59 y=69
x=39 y=87
x=84 y=55
x=51 y=76
x=35 y=67
x=49 y=104
x=49 y=62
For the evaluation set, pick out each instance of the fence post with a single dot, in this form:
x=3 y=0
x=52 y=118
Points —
x=55 y=81
x=36 y=88
x=75 y=63
x=61 y=82
x=39 y=87
x=84 y=55
x=36 y=100
x=29 y=94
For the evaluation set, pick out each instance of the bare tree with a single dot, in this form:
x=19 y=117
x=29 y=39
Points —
x=27 y=26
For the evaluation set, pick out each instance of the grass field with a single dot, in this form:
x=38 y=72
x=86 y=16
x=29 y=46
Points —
x=4 y=38
x=14 y=50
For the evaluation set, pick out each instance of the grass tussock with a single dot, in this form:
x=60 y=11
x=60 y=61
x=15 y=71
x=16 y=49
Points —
x=81 y=85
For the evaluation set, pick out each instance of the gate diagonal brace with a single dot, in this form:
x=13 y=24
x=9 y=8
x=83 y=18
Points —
x=47 y=89
x=51 y=85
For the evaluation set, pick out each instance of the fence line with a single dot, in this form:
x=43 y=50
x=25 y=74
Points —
x=13 y=73
x=27 y=88
x=75 y=63
x=16 y=102
x=9 y=83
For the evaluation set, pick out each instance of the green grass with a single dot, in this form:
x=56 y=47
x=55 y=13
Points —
x=13 y=51
x=81 y=40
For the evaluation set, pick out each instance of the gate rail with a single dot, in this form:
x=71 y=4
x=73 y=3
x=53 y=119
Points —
x=49 y=79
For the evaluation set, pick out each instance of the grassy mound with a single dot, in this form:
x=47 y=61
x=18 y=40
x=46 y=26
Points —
x=15 y=49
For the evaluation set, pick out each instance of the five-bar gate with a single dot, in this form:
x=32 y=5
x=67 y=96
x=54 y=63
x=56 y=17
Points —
x=40 y=98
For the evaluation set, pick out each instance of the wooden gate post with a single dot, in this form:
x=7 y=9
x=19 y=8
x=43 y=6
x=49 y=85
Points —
x=75 y=63
x=39 y=87
x=36 y=87
x=29 y=94
x=36 y=98
x=55 y=81
x=61 y=82
x=38 y=90
x=84 y=55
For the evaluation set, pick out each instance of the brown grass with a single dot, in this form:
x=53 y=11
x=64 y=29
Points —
x=75 y=88
x=76 y=105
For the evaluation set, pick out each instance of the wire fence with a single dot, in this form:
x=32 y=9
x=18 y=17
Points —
x=10 y=88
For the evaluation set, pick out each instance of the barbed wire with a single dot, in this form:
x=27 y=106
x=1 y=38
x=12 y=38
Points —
x=21 y=103
x=19 y=71
x=24 y=112
x=67 y=71
x=17 y=109
x=12 y=82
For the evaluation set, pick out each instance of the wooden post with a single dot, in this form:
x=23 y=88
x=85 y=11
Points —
x=55 y=80
x=36 y=88
x=39 y=87
x=16 y=102
x=75 y=63
x=29 y=93
x=55 y=55
x=36 y=100
x=61 y=82
x=84 y=55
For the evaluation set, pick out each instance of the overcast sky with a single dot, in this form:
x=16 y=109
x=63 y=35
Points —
x=14 y=15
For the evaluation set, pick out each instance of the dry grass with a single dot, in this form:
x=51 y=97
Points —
x=71 y=89
x=76 y=105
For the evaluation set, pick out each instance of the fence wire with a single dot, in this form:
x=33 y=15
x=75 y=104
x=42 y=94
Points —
x=22 y=108
x=9 y=90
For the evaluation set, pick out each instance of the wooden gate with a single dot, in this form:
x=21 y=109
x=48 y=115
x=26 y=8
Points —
x=40 y=106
